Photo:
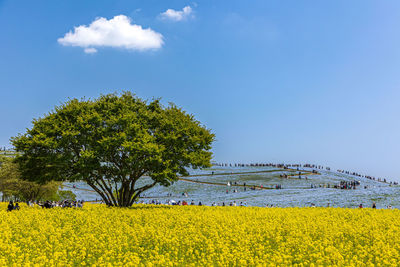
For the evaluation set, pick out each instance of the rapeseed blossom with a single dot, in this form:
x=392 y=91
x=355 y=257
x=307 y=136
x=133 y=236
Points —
x=147 y=235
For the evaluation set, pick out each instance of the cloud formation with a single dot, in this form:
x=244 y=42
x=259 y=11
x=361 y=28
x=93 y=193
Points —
x=175 y=15
x=116 y=32
x=90 y=50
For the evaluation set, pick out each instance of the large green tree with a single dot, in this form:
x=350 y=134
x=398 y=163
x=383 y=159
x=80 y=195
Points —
x=119 y=144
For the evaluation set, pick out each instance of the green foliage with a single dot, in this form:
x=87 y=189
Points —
x=12 y=186
x=111 y=142
x=65 y=195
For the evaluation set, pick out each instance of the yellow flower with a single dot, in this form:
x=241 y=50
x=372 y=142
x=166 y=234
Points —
x=199 y=236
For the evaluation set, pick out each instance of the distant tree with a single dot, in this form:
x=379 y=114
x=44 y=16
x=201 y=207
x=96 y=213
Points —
x=119 y=145
x=65 y=195
x=9 y=178
x=13 y=186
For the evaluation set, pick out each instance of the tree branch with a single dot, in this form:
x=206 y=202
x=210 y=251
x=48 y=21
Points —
x=98 y=191
x=109 y=190
x=140 y=190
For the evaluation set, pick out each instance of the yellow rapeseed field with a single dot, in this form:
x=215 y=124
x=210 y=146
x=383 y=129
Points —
x=199 y=236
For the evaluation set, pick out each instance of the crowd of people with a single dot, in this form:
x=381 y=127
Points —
x=342 y=185
x=79 y=204
x=347 y=185
x=192 y=203
x=307 y=165
x=47 y=204
x=233 y=204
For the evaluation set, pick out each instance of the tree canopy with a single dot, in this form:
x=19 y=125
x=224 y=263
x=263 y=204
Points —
x=112 y=143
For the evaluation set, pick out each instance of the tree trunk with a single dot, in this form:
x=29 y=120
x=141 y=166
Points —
x=126 y=193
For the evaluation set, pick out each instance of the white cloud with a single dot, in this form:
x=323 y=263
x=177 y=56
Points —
x=116 y=32
x=90 y=50
x=175 y=15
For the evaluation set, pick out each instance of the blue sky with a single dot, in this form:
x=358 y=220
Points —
x=292 y=81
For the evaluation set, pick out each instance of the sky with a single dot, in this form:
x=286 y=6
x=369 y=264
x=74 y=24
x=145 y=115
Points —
x=276 y=81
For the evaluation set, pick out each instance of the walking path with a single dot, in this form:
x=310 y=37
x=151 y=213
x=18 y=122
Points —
x=183 y=178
